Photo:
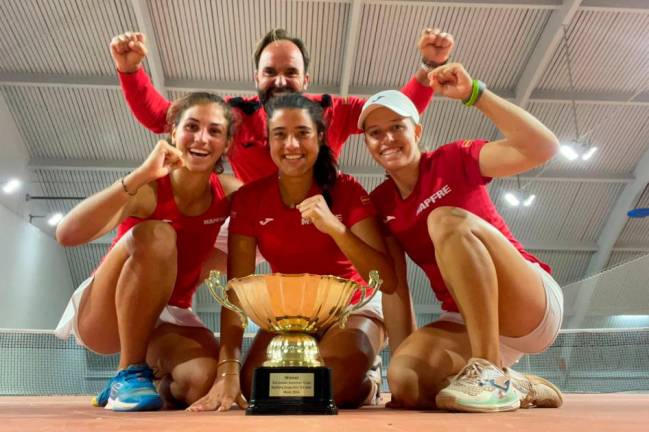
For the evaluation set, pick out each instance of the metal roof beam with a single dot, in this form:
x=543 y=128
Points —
x=58 y=80
x=153 y=58
x=376 y=170
x=609 y=5
x=618 y=218
x=82 y=165
x=353 y=31
x=601 y=97
x=242 y=87
x=117 y=164
x=545 y=48
x=15 y=157
x=616 y=5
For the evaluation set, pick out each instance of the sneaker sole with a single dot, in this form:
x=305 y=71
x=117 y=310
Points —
x=546 y=403
x=151 y=404
x=449 y=403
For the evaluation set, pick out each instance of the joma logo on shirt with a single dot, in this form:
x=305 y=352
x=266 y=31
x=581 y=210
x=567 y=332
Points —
x=441 y=193
x=266 y=221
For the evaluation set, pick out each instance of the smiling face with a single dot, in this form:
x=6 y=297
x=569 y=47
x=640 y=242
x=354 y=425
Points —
x=280 y=70
x=294 y=141
x=202 y=136
x=393 y=140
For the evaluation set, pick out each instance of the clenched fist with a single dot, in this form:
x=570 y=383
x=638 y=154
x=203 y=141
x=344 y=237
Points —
x=451 y=81
x=128 y=51
x=435 y=46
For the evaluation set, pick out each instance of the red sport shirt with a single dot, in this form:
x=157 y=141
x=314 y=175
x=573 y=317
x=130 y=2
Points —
x=195 y=235
x=250 y=156
x=291 y=244
x=448 y=176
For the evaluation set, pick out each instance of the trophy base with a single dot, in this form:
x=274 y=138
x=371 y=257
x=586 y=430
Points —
x=291 y=390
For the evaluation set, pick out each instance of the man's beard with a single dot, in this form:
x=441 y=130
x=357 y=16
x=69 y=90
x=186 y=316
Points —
x=269 y=93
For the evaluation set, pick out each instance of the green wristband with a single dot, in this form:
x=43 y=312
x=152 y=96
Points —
x=475 y=92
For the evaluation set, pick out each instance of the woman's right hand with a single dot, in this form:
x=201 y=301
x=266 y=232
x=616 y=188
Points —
x=225 y=391
x=128 y=51
x=161 y=161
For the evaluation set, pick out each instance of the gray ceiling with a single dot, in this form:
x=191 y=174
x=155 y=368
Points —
x=58 y=81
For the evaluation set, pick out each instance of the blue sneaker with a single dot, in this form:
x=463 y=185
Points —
x=102 y=397
x=132 y=389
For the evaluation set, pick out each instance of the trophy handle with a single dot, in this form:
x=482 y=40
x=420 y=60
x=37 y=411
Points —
x=220 y=294
x=375 y=283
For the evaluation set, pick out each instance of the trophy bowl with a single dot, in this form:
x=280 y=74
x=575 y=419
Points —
x=293 y=378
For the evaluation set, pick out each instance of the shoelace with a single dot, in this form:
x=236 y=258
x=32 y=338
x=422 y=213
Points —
x=471 y=372
x=138 y=374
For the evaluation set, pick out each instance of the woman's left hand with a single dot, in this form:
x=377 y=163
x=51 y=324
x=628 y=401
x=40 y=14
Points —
x=315 y=210
x=451 y=81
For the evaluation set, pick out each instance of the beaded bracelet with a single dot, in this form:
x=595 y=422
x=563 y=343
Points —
x=125 y=188
x=429 y=66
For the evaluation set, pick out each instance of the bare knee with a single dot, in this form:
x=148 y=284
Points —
x=153 y=239
x=444 y=222
x=349 y=361
x=415 y=383
x=404 y=381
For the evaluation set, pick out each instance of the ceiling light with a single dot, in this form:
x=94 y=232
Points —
x=55 y=219
x=589 y=153
x=512 y=200
x=11 y=186
x=568 y=152
x=529 y=200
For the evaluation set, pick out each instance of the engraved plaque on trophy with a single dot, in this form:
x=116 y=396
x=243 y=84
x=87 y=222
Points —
x=293 y=379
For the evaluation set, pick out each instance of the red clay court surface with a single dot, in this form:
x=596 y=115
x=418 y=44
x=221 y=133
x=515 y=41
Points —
x=580 y=412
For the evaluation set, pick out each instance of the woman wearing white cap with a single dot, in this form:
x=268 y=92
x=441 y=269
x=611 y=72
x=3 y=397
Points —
x=499 y=302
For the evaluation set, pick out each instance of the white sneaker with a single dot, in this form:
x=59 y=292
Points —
x=534 y=391
x=480 y=387
x=374 y=375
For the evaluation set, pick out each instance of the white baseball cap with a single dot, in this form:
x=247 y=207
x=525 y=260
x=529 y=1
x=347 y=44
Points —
x=393 y=100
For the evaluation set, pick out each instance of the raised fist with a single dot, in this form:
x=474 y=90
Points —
x=435 y=46
x=451 y=81
x=128 y=51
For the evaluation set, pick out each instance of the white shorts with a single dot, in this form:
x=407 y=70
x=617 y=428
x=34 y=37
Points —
x=373 y=309
x=68 y=324
x=539 y=339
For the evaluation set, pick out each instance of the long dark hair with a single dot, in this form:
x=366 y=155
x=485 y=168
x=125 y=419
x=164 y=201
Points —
x=182 y=104
x=325 y=169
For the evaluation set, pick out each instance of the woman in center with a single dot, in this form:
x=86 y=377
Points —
x=307 y=219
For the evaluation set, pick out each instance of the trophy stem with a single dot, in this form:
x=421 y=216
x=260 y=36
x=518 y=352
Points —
x=293 y=349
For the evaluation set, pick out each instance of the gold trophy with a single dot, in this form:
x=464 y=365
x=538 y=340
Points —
x=293 y=379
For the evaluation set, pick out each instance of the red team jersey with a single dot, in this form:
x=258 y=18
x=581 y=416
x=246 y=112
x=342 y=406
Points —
x=250 y=156
x=448 y=176
x=291 y=244
x=195 y=235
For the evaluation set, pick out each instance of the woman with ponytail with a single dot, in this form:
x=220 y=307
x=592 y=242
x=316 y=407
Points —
x=167 y=213
x=308 y=218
